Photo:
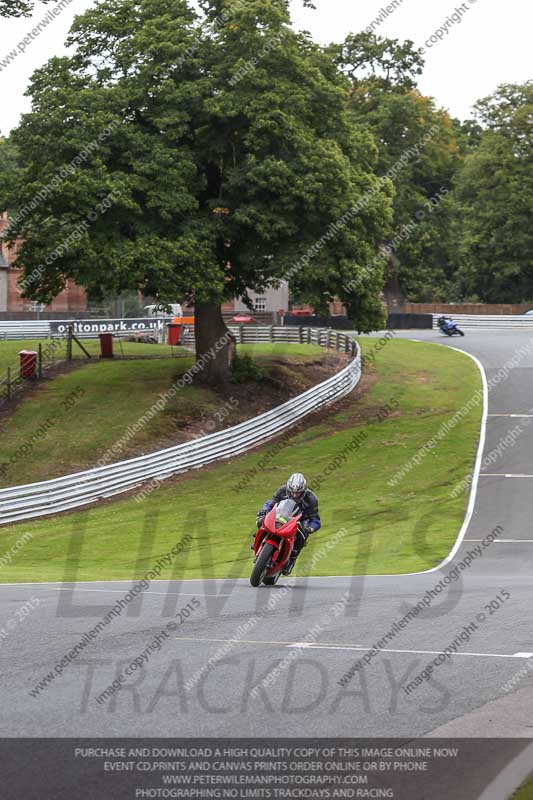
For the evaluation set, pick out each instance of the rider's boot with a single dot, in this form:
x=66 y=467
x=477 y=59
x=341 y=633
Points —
x=290 y=563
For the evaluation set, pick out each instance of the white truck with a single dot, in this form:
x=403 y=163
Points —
x=158 y=310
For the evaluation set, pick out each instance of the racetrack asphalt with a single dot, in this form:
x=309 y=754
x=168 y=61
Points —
x=339 y=619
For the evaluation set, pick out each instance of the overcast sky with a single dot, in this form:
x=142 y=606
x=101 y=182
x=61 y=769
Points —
x=490 y=45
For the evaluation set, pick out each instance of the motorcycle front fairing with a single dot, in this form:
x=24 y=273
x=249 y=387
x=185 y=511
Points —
x=279 y=528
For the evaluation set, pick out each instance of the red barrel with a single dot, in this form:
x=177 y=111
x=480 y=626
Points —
x=174 y=333
x=28 y=362
x=106 y=345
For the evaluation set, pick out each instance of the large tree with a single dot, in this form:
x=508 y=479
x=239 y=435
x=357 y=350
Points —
x=218 y=155
x=8 y=172
x=493 y=201
x=384 y=98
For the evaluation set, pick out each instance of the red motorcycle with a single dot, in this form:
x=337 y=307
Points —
x=274 y=543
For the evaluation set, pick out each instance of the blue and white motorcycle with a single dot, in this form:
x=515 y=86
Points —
x=448 y=327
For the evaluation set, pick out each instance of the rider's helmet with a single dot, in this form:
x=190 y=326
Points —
x=296 y=486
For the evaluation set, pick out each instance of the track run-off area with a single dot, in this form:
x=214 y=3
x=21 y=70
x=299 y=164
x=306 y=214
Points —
x=314 y=657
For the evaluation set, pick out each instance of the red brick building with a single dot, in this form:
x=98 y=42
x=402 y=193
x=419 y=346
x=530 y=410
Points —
x=73 y=298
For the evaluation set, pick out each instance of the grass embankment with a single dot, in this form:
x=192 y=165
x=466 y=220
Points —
x=70 y=422
x=404 y=527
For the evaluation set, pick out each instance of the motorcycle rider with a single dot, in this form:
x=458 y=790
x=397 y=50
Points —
x=296 y=489
x=448 y=326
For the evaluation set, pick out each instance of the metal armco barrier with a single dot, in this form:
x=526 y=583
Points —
x=74 y=491
x=24 y=329
x=489 y=321
x=42 y=329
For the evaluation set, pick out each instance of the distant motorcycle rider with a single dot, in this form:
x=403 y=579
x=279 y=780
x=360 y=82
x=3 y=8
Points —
x=296 y=489
x=448 y=326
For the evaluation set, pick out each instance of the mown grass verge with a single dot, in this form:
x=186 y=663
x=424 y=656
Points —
x=411 y=390
x=525 y=793
x=10 y=349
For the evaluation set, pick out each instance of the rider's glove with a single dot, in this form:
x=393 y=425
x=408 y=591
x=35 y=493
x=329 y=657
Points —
x=306 y=529
x=260 y=518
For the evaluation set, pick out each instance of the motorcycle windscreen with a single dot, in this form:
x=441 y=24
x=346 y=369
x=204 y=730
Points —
x=285 y=512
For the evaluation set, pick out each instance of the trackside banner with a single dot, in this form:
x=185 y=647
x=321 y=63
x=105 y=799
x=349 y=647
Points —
x=97 y=326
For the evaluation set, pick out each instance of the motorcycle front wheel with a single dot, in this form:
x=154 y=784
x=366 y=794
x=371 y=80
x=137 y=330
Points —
x=261 y=565
x=460 y=332
x=271 y=580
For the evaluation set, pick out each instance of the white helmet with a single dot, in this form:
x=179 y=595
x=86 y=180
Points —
x=296 y=486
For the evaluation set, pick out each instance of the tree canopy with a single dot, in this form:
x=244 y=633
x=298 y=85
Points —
x=18 y=8
x=216 y=155
x=8 y=173
x=493 y=200
x=385 y=100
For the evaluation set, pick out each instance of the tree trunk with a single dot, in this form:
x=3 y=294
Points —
x=215 y=345
x=391 y=290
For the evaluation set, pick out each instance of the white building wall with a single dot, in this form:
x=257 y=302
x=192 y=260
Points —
x=270 y=300
x=3 y=289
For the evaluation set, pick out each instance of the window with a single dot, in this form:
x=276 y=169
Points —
x=37 y=306
x=260 y=304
